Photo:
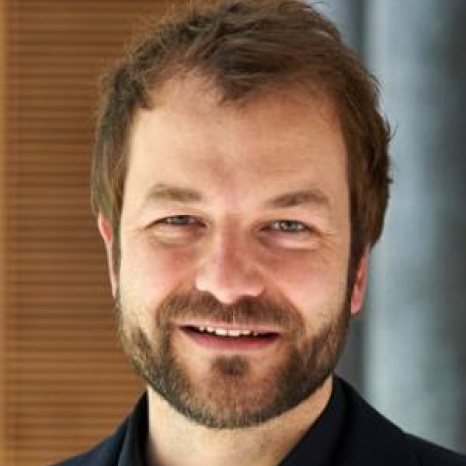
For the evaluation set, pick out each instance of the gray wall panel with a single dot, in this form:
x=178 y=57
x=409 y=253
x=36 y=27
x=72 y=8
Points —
x=416 y=349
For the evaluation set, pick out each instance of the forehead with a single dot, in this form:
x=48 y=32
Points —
x=282 y=104
x=190 y=137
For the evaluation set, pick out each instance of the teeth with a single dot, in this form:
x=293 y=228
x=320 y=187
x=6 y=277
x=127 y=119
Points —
x=228 y=333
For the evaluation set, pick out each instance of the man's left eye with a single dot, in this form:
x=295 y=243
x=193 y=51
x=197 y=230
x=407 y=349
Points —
x=289 y=226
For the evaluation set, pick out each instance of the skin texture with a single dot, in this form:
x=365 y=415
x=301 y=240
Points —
x=231 y=245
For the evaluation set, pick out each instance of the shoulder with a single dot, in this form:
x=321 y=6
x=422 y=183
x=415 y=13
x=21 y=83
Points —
x=430 y=454
x=121 y=445
x=370 y=438
x=104 y=454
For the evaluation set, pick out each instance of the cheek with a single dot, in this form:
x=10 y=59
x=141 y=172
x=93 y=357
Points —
x=149 y=273
x=314 y=283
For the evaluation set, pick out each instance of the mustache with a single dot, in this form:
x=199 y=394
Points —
x=196 y=304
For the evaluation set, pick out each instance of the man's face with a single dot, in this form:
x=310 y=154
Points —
x=232 y=290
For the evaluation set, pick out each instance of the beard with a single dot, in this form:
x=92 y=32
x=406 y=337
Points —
x=230 y=394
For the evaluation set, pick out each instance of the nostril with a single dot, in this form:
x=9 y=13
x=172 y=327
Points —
x=228 y=288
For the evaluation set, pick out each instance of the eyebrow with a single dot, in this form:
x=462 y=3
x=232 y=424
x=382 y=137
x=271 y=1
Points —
x=163 y=192
x=299 y=198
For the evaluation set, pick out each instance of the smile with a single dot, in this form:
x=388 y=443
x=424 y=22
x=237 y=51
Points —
x=228 y=338
x=222 y=332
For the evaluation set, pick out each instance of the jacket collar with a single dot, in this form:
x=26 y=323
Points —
x=369 y=438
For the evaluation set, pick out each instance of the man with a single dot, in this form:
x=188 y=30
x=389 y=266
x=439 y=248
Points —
x=240 y=179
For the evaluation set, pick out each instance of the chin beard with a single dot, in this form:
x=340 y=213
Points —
x=229 y=396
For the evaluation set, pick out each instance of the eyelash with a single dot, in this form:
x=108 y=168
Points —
x=301 y=226
x=169 y=220
x=173 y=221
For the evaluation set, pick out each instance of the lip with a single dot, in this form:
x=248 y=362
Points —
x=252 y=327
x=229 y=344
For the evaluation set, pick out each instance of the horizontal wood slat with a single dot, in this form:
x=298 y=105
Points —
x=65 y=381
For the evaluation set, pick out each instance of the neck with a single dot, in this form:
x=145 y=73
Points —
x=174 y=440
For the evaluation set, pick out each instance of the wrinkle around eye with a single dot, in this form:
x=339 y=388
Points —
x=175 y=229
x=306 y=239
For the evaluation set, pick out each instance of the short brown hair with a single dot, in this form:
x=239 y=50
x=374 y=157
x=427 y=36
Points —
x=246 y=47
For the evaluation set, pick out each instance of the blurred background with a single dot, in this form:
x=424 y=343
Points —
x=64 y=383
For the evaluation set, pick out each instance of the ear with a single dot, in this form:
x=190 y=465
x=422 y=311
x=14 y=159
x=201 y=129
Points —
x=106 y=231
x=360 y=283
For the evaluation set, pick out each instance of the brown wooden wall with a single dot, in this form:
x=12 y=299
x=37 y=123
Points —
x=64 y=382
x=2 y=229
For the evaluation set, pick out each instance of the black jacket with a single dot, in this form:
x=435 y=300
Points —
x=367 y=439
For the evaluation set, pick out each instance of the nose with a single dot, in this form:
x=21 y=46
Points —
x=227 y=270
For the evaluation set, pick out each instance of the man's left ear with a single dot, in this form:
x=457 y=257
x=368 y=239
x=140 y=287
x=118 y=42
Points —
x=360 y=283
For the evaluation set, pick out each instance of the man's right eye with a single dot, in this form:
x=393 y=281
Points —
x=177 y=227
x=178 y=221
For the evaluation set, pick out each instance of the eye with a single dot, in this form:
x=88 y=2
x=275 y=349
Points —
x=289 y=226
x=179 y=221
x=176 y=228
